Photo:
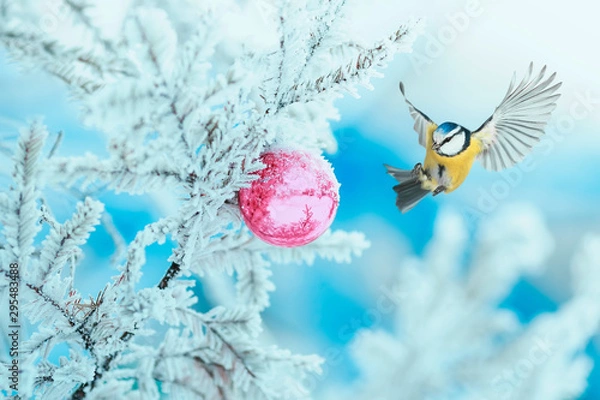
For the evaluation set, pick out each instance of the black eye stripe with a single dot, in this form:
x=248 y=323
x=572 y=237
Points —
x=467 y=142
x=446 y=140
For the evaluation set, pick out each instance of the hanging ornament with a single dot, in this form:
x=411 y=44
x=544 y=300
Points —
x=293 y=201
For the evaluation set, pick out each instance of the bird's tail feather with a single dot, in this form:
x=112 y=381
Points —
x=409 y=190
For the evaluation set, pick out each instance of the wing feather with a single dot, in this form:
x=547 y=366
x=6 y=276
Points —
x=422 y=122
x=519 y=121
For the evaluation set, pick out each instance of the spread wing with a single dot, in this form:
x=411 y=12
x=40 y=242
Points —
x=519 y=121
x=422 y=122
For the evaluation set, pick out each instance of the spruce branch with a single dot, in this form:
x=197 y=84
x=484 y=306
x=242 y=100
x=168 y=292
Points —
x=89 y=169
x=188 y=111
x=63 y=241
x=78 y=8
x=76 y=67
x=20 y=224
x=171 y=273
x=358 y=71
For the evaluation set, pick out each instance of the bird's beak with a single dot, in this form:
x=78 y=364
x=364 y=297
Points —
x=435 y=147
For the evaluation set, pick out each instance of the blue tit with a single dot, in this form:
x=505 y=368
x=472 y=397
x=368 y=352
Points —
x=501 y=142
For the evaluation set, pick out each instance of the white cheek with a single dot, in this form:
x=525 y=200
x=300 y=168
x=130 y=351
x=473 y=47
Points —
x=454 y=146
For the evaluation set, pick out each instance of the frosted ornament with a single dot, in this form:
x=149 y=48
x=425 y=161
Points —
x=294 y=200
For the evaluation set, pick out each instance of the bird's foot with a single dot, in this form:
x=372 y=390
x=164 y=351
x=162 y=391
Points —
x=420 y=173
x=418 y=169
x=439 y=190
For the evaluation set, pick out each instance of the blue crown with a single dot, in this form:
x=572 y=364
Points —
x=447 y=127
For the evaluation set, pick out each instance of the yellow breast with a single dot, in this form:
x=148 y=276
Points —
x=457 y=167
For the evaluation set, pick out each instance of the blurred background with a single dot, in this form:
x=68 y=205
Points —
x=460 y=69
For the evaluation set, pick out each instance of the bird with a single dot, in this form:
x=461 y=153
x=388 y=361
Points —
x=502 y=141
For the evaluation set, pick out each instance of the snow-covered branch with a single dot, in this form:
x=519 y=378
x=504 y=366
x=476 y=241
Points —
x=20 y=222
x=452 y=340
x=187 y=106
x=63 y=241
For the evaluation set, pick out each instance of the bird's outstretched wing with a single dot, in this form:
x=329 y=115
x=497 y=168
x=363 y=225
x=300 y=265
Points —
x=422 y=122
x=519 y=121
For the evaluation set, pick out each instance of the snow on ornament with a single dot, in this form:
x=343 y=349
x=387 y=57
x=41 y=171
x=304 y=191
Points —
x=293 y=201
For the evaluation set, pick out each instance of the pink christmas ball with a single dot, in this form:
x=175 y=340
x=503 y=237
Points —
x=293 y=201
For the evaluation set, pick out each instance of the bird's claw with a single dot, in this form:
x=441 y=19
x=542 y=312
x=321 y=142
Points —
x=420 y=173
x=439 y=190
x=418 y=169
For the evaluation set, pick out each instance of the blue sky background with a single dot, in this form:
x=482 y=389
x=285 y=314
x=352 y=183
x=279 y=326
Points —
x=315 y=308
